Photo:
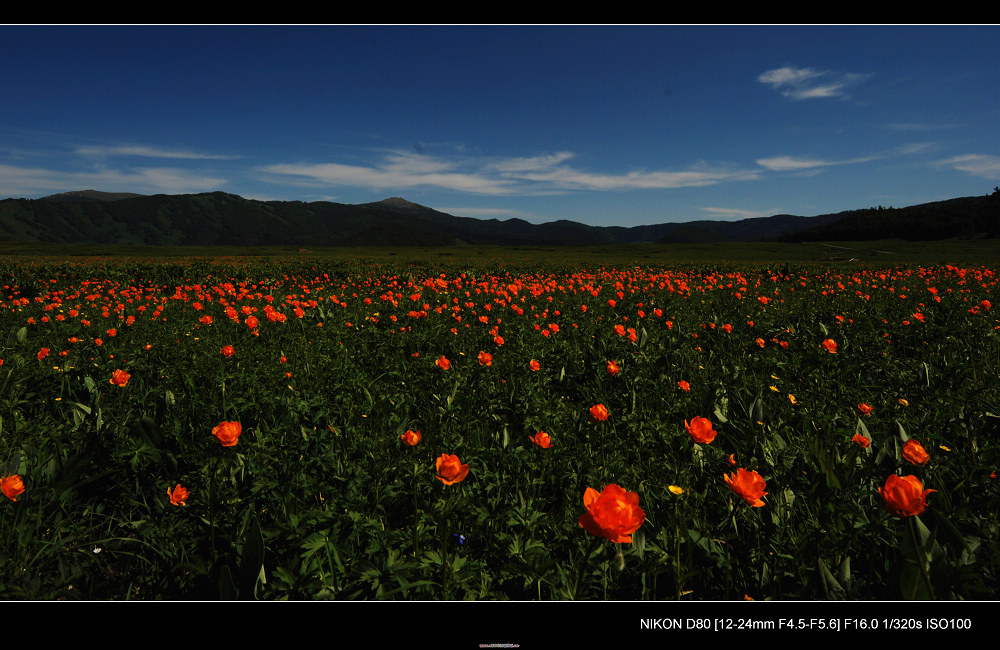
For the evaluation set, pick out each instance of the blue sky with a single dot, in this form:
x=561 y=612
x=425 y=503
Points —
x=606 y=125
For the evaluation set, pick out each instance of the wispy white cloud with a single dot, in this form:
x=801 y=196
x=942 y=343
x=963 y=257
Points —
x=793 y=164
x=398 y=171
x=510 y=176
x=535 y=163
x=915 y=148
x=737 y=214
x=147 y=152
x=32 y=181
x=808 y=83
x=976 y=164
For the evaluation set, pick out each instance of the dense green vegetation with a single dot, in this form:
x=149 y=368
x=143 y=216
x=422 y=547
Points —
x=116 y=369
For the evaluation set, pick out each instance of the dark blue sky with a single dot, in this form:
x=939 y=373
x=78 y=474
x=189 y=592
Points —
x=600 y=124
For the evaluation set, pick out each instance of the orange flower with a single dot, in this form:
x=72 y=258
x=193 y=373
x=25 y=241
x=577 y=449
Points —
x=534 y=365
x=701 y=430
x=613 y=368
x=759 y=341
x=450 y=469
x=227 y=351
x=12 y=486
x=485 y=359
x=865 y=409
x=228 y=433
x=251 y=322
x=205 y=320
x=178 y=496
x=830 y=346
x=904 y=496
x=861 y=440
x=749 y=485
x=598 y=413
x=443 y=363
x=613 y=513
x=44 y=352
x=914 y=452
x=684 y=385
x=411 y=437
x=119 y=377
x=541 y=439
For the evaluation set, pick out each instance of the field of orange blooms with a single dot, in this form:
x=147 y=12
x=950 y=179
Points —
x=300 y=428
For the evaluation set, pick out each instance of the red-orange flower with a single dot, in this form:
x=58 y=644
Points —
x=613 y=368
x=534 y=365
x=44 y=352
x=865 y=409
x=613 y=513
x=749 y=485
x=914 y=452
x=227 y=351
x=598 y=412
x=684 y=385
x=12 y=486
x=904 y=496
x=701 y=430
x=442 y=363
x=450 y=469
x=228 y=433
x=411 y=437
x=860 y=440
x=830 y=346
x=178 y=496
x=485 y=359
x=541 y=439
x=119 y=378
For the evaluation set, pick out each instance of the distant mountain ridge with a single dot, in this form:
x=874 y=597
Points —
x=219 y=218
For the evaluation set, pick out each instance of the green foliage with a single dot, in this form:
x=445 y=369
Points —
x=321 y=499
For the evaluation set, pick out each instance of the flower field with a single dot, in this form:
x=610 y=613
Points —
x=310 y=428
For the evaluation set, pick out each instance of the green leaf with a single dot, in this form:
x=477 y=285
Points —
x=831 y=586
x=251 y=561
x=227 y=588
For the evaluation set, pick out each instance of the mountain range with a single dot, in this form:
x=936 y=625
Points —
x=218 y=218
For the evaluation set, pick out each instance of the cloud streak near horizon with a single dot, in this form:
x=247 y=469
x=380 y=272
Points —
x=526 y=176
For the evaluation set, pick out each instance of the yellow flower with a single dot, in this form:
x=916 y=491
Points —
x=676 y=489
